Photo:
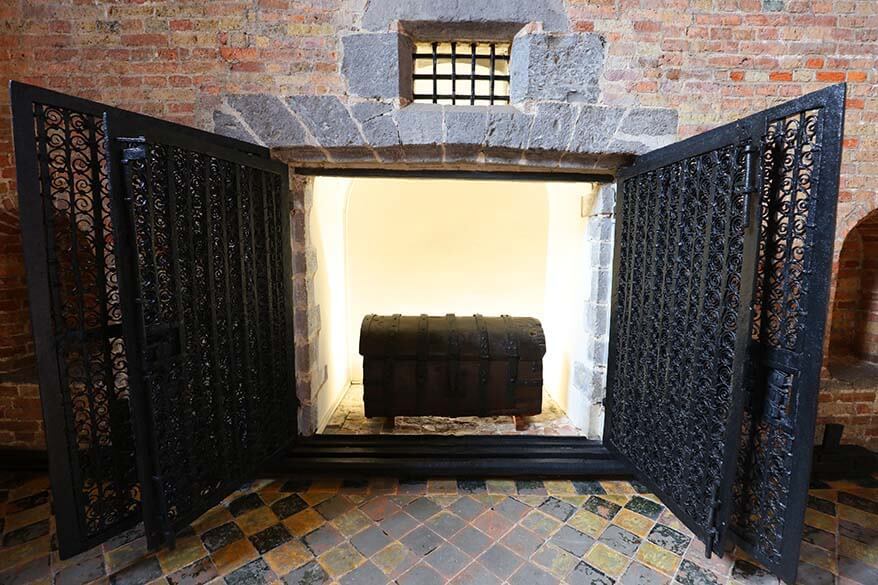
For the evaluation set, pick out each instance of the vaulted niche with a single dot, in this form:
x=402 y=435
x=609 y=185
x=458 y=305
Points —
x=422 y=246
x=849 y=396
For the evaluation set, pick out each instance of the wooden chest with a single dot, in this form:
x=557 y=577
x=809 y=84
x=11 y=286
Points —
x=452 y=366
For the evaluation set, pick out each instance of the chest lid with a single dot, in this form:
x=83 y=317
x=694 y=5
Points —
x=470 y=337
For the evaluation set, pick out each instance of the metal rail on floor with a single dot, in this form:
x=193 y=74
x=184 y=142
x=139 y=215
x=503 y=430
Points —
x=447 y=456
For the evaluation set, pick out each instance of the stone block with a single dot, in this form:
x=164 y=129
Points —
x=422 y=154
x=581 y=376
x=328 y=120
x=298 y=154
x=465 y=124
x=600 y=351
x=596 y=162
x=271 y=119
x=376 y=122
x=595 y=128
x=601 y=254
x=552 y=127
x=508 y=127
x=590 y=381
x=597 y=318
x=461 y=153
x=600 y=229
x=229 y=125
x=503 y=156
x=381 y=14
x=649 y=122
x=378 y=65
x=562 y=67
x=390 y=153
x=605 y=202
x=419 y=124
x=600 y=287
x=307 y=420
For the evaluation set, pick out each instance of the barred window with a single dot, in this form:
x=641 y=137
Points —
x=474 y=73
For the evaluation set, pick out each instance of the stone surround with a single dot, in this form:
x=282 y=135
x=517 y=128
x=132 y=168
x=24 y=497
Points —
x=557 y=121
x=587 y=386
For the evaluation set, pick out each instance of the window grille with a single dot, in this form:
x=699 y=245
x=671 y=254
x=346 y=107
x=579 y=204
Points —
x=461 y=73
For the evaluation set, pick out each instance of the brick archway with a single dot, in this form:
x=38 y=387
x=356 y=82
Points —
x=849 y=395
x=855 y=305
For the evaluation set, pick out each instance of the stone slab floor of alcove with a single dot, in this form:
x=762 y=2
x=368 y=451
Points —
x=349 y=419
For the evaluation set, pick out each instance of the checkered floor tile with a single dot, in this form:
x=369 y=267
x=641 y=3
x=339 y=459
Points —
x=444 y=531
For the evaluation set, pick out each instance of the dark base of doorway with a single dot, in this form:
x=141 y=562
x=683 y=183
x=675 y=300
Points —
x=448 y=456
x=843 y=462
x=24 y=459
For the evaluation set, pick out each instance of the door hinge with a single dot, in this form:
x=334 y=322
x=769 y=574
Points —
x=750 y=152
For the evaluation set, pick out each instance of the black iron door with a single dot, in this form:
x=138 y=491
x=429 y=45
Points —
x=721 y=272
x=210 y=233
x=800 y=154
x=158 y=269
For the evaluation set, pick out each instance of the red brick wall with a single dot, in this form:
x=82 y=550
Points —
x=713 y=60
x=845 y=312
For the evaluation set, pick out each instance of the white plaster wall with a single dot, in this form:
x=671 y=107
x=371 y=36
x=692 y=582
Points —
x=436 y=247
x=328 y=234
x=565 y=286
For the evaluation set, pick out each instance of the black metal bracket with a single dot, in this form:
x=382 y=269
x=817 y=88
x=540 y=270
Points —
x=713 y=530
x=170 y=537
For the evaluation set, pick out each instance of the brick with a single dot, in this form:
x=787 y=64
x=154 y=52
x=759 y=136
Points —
x=831 y=76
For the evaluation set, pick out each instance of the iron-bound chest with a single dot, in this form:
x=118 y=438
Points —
x=452 y=366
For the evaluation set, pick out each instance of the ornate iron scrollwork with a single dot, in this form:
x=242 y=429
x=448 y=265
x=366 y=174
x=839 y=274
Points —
x=209 y=248
x=86 y=316
x=680 y=256
x=790 y=153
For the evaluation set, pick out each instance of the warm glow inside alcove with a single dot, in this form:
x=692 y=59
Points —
x=415 y=246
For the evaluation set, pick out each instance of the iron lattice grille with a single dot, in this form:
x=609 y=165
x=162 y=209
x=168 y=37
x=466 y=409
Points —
x=790 y=156
x=680 y=257
x=209 y=246
x=461 y=73
x=86 y=317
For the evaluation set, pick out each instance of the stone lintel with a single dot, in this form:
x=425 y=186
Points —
x=327 y=131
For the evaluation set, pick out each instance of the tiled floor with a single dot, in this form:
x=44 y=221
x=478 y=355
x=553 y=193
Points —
x=480 y=532
x=349 y=419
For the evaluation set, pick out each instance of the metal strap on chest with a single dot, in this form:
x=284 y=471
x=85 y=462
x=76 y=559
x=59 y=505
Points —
x=453 y=359
x=484 y=360
x=390 y=361
x=513 y=356
x=421 y=361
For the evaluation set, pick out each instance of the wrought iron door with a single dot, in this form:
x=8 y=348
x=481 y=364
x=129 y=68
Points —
x=721 y=273
x=158 y=269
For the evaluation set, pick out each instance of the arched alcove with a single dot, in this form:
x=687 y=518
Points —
x=850 y=395
x=854 y=329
